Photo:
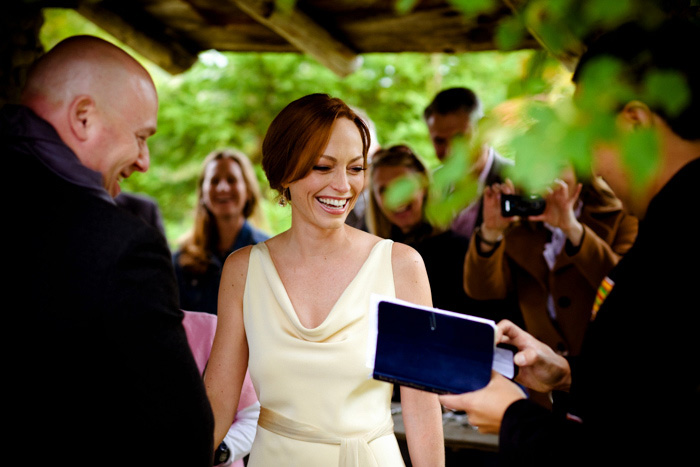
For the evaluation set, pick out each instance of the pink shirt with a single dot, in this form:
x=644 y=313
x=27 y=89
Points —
x=200 y=328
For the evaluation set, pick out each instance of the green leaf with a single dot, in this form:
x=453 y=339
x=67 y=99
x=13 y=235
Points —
x=601 y=88
x=473 y=7
x=404 y=6
x=510 y=33
x=640 y=152
x=401 y=190
x=285 y=6
x=667 y=89
x=606 y=11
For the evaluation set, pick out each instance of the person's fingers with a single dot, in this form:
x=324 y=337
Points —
x=525 y=357
x=558 y=184
x=508 y=330
x=498 y=335
x=457 y=401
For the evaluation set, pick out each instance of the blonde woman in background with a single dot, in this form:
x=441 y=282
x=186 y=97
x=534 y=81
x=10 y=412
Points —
x=227 y=197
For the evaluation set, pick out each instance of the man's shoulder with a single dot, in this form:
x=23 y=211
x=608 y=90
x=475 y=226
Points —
x=500 y=164
x=59 y=211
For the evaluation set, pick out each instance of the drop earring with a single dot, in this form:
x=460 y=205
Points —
x=285 y=197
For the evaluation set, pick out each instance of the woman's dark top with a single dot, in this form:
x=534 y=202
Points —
x=443 y=253
x=200 y=292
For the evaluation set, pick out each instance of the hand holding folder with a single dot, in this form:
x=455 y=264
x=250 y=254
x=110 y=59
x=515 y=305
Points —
x=431 y=349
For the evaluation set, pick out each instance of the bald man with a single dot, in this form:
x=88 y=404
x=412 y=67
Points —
x=99 y=366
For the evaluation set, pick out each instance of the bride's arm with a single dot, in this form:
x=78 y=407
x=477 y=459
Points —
x=421 y=410
x=228 y=362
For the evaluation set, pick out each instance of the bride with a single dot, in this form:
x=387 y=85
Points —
x=294 y=310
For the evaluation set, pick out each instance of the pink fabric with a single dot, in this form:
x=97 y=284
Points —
x=200 y=328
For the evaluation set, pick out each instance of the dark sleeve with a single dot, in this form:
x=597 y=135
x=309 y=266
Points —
x=533 y=435
x=157 y=219
x=146 y=326
x=179 y=280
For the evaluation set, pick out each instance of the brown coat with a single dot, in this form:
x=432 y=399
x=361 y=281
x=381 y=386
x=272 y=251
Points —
x=517 y=265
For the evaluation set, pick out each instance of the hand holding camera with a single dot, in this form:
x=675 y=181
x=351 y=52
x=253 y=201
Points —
x=556 y=206
x=494 y=224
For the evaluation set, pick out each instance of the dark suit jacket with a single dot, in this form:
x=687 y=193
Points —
x=143 y=206
x=635 y=395
x=100 y=370
x=472 y=216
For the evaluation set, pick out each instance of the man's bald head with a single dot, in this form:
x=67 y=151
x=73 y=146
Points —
x=100 y=100
x=79 y=65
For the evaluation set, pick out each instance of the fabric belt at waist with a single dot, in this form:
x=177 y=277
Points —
x=354 y=452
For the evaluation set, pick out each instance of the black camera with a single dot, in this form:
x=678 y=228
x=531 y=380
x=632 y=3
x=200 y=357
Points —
x=517 y=205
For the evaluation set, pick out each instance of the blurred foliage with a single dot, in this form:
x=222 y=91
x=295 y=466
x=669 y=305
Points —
x=229 y=99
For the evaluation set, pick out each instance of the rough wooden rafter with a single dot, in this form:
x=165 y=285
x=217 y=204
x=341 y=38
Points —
x=305 y=34
x=439 y=29
x=169 y=55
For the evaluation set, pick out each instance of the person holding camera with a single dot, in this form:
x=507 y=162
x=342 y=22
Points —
x=554 y=260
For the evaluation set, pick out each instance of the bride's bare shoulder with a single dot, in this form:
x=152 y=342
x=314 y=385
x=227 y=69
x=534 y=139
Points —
x=406 y=258
x=410 y=277
x=236 y=265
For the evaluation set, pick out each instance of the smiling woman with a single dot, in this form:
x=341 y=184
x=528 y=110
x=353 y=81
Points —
x=329 y=191
x=406 y=221
x=227 y=197
x=295 y=309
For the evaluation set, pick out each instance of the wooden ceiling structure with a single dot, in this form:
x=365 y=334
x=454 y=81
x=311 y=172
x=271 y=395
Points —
x=171 y=33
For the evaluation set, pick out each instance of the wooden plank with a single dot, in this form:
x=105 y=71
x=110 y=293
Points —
x=305 y=34
x=171 y=56
x=237 y=39
x=434 y=30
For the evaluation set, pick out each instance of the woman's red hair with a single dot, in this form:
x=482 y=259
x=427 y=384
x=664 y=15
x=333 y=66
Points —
x=299 y=134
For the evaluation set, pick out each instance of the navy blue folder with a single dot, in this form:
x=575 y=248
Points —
x=430 y=349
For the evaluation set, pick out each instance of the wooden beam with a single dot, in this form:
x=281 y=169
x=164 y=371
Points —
x=440 y=29
x=170 y=55
x=305 y=34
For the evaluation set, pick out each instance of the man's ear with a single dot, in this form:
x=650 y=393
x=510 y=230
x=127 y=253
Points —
x=81 y=116
x=637 y=114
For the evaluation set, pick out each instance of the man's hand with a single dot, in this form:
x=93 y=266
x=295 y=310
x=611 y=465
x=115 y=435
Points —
x=560 y=208
x=539 y=367
x=494 y=224
x=485 y=407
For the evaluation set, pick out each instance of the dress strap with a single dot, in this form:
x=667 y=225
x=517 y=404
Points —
x=354 y=452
